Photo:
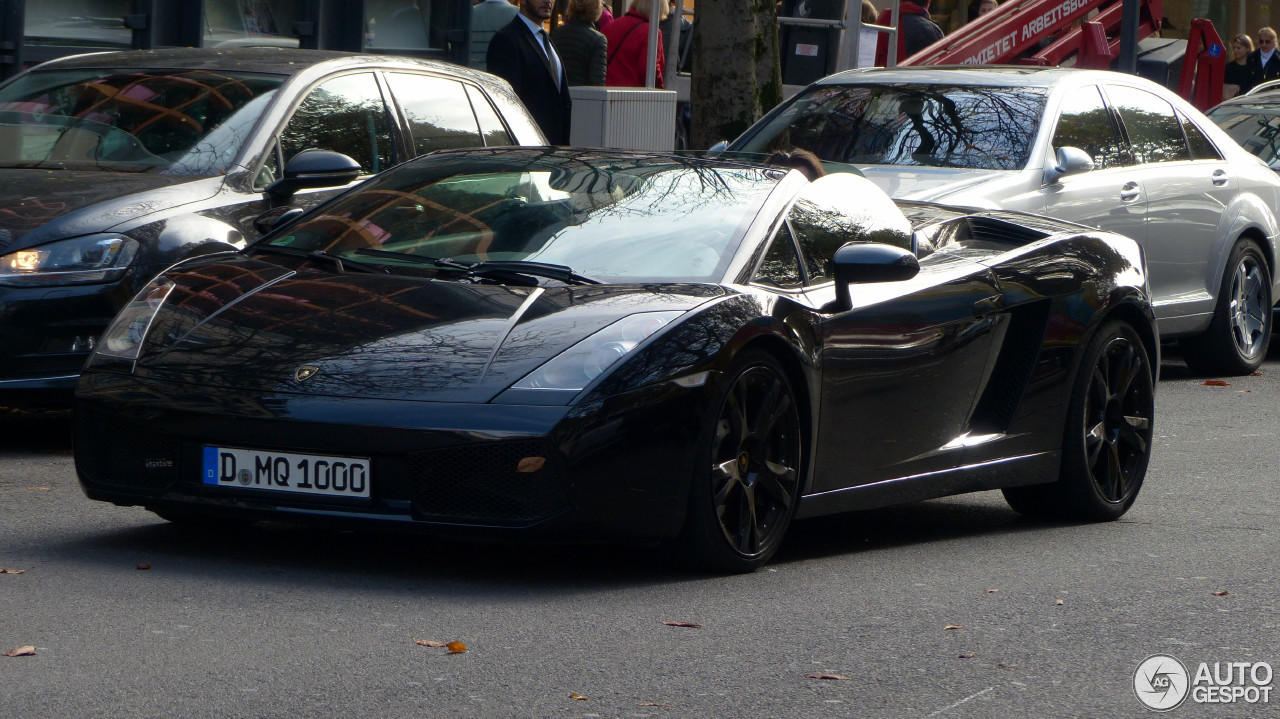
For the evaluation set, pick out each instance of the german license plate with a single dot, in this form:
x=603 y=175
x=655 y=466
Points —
x=286 y=472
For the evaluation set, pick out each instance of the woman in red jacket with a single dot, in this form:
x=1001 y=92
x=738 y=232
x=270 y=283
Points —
x=629 y=46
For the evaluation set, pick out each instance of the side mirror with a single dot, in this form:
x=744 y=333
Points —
x=274 y=218
x=861 y=262
x=717 y=148
x=314 y=168
x=1069 y=161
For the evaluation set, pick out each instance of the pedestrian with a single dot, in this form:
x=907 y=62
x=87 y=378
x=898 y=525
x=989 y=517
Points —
x=799 y=159
x=684 y=58
x=606 y=16
x=916 y=31
x=978 y=8
x=1263 y=64
x=629 y=47
x=868 y=13
x=581 y=46
x=522 y=54
x=1235 y=78
x=487 y=17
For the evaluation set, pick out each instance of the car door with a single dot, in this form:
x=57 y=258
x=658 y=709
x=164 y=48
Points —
x=900 y=370
x=1112 y=195
x=345 y=113
x=1185 y=197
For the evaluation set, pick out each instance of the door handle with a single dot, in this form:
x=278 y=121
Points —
x=1219 y=177
x=1129 y=191
x=987 y=305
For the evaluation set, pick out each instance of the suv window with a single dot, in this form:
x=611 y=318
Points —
x=1086 y=123
x=438 y=112
x=345 y=114
x=1154 y=132
x=495 y=133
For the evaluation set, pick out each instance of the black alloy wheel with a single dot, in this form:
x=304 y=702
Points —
x=745 y=494
x=1237 y=338
x=1107 y=442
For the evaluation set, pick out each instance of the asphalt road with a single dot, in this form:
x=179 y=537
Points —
x=283 y=621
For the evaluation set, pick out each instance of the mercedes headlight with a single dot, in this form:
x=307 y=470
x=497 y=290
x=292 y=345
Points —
x=123 y=339
x=81 y=260
x=574 y=368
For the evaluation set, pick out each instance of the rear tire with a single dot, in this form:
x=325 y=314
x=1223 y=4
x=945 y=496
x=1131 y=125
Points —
x=747 y=482
x=1106 y=443
x=1237 y=338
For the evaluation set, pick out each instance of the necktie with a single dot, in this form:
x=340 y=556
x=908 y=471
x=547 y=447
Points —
x=545 y=43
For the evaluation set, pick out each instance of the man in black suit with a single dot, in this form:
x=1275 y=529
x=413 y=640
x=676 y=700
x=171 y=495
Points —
x=521 y=53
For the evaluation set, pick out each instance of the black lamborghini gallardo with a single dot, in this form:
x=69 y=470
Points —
x=572 y=343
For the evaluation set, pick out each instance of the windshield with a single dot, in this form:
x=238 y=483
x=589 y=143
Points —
x=633 y=220
x=975 y=127
x=190 y=122
x=1255 y=127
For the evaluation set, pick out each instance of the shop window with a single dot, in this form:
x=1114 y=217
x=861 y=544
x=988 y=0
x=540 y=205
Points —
x=250 y=23
x=87 y=23
x=407 y=24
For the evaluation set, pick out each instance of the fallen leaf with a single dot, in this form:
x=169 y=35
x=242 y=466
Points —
x=835 y=677
x=427 y=643
x=952 y=626
x=144 y=565
x=1221 y=593
x=1257 y=374
x=690 y=625
x=12 y=571
x=1007 y=666
x=456 y=647
x=1059 y=602
x=652 y=704
x=967 y=655
x=38 y=489
x=992 y=591
x=27 y=651
x=1216 y=383
x=577 y=697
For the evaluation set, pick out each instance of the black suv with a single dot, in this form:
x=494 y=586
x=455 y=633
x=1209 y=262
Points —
x=114 y=166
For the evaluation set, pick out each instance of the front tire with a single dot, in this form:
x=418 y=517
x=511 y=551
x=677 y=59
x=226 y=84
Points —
x=1237 y=338
x=1107 y=439
x=747 y=482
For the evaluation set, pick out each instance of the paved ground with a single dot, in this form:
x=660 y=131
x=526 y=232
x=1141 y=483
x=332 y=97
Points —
x=282 y=621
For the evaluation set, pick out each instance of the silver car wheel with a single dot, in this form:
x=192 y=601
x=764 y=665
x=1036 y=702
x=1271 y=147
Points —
x=1248 y=307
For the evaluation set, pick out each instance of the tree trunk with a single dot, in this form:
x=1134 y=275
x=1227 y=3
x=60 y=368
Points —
x=736 y=72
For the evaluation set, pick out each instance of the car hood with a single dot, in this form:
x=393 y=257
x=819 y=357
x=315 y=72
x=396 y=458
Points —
x=930 y=183
x=37 y=205
x=250 y=325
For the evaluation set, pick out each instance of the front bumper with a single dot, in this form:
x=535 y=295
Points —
x=47 y=333
x=617 y=468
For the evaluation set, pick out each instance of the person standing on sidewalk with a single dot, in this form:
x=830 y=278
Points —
x=522 y=54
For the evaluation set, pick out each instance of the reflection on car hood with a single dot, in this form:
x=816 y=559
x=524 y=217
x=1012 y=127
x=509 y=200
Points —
x=928 y=183
x=249 y=325
x=38 y=205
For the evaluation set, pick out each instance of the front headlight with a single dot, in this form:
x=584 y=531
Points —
x=123 y=339
x=81 y=260
x=574 y=368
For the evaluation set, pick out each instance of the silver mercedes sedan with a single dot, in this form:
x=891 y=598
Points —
x=1104 y=149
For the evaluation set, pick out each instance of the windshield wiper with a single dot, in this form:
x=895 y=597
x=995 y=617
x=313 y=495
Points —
x=339 y=264
x=492 y=268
